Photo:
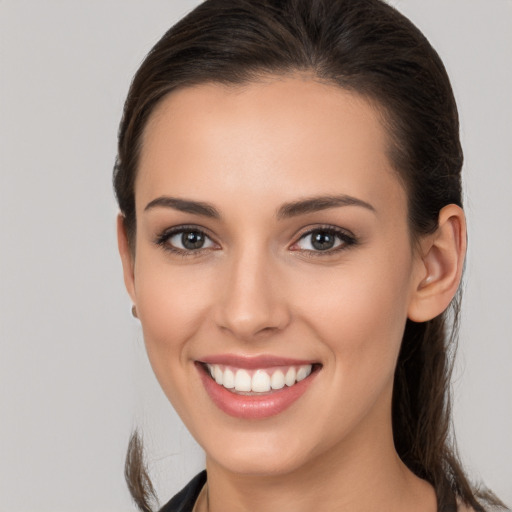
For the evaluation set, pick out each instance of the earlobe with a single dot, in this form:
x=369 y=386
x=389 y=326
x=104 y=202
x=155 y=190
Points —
x=442 y=255
x=126 y=257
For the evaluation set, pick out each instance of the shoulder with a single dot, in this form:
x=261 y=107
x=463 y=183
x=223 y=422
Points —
x=185 y=500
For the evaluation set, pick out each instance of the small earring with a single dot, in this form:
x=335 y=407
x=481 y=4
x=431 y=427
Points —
x=134 y=312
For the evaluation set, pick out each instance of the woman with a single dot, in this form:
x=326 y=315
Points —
x=292 y=235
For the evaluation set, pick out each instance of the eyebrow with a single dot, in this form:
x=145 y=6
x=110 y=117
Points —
x=184 y=205
x=287 y=210
x=314 y=204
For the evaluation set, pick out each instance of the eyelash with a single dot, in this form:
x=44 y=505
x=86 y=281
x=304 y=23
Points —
x=346 y=239
x=162 y=240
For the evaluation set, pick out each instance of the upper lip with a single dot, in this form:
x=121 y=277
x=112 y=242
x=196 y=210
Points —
x=254 y=362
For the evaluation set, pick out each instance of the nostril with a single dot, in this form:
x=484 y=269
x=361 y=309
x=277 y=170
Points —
x=255 y=322
x=251 y=301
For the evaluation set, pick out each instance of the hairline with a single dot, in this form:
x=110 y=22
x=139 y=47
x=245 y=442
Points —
x=385 y=115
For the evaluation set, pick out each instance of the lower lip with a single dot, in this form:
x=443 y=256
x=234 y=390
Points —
x=253 y=406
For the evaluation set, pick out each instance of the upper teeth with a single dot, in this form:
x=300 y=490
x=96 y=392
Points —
x=260 y=380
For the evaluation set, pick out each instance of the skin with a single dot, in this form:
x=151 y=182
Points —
x=259 y=287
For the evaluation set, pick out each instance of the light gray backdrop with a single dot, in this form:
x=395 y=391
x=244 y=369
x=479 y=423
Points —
x=73 y=374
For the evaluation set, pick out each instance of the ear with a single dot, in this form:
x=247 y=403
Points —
x=127 y=258
x=442 y=261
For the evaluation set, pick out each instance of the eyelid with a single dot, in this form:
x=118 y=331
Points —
x=162 y=238
x=347 y=239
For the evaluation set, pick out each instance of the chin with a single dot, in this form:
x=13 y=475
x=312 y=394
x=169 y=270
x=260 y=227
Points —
x=259 y=456
x=261 y=465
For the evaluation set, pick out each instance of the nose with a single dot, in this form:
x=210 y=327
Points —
x=252 y=300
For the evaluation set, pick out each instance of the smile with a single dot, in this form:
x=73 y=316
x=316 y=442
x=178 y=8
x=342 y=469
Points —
x=261 y=380
x=255 y=388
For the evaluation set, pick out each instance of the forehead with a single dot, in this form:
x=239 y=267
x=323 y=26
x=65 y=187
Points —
x=280 y=137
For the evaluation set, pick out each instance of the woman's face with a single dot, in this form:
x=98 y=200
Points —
x=272 y=239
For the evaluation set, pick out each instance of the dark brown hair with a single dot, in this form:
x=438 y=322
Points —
x=367 y=47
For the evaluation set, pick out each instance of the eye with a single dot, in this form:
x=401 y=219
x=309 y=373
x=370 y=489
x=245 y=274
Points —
x=185 y=240
x=324 y=240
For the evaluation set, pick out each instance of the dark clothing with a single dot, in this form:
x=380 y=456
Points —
x=184 y=501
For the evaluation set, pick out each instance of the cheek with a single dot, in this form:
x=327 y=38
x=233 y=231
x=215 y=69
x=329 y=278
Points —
x=359 y=320
x=172 y=303
x=358 y=311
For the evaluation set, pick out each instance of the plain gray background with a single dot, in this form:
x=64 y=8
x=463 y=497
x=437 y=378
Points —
x=74 y=378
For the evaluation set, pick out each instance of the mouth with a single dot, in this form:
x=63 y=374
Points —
x=251 y=389
x=255 y=382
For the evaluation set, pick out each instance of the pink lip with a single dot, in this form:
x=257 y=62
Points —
x=253 y=407
x=253 y=362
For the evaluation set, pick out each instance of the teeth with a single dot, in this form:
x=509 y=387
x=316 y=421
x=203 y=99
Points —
x=228 y=380
x=302 y=373
x=218 y=374
x=277 y=380
x=260 y=381
x=242 y=381
x=290 y=377
x=257 y=381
